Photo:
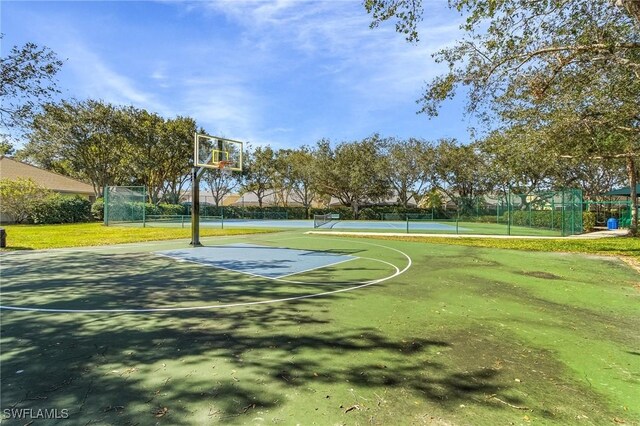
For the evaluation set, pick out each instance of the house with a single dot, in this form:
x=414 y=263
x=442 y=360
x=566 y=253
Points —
x=13 y=169
x=392 y=200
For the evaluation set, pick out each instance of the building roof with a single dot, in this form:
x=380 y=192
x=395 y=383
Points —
x=269 y=199
x=392 y=200
x=624 y=192
x=13 y=169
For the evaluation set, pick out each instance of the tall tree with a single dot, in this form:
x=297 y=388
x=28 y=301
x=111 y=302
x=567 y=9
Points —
x=303 y=182
x=518 y=162
x=539 y=54
x=282 y=176
x=460 y=172
x=27 y=80
x=82 y=139
x=221 y=183
x=179 y=134
x=353 y=172
x=410 y=167
x=6 y=147
x=589 y=115
x=259 y=171
x=160 y=151
x=595 y=177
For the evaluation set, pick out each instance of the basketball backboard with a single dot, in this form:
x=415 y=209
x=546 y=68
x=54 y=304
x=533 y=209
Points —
x=217 y=153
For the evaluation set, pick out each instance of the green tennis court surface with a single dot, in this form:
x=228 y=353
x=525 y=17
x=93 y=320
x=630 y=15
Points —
x=439 y=226
x=402 y=333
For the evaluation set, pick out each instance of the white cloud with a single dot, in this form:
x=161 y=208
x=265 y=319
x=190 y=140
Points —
x=373 y=64
x=283 y=72
x=94 y=78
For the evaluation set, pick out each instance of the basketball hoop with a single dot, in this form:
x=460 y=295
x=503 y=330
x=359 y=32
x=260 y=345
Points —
x=223 y=163
x=217 y=153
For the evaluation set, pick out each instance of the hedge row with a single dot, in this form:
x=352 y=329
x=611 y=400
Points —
x=134 y=210
x=57 y=208
x=239 y=212
x=537 y=219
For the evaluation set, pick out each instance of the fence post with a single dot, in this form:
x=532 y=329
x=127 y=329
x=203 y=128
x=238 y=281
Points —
x=562 y=217
x=105 y=211
x=144 y=205
x=509 y=211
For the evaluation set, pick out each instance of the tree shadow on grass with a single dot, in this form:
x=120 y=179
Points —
x=127 y=369
x=200 y=366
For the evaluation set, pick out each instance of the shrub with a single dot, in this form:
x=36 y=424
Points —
x=588 y=221
x=18 y=197
x=132 y=211
x=368 y=214
x=480 y=219
x=97 y=209
x=536 y=219
x=172 y=209
x=57 y=208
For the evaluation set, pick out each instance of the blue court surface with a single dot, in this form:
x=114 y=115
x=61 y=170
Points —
x=262 y=261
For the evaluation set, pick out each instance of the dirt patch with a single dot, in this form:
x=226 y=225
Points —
x=631 y=261
x=541 y=274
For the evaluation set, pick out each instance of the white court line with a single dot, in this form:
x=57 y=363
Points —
x=122 y=246
x=233 y=305
x=338 y=283
x=318 y=267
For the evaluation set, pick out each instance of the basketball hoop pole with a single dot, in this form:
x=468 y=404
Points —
x=195 y=207
x=225 y=155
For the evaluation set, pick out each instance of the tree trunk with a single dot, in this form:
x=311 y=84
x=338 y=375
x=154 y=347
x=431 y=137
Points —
x=354 y=208
x=633 y=182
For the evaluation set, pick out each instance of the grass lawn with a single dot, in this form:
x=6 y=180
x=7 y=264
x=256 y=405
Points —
x=446 y=334
x=30 y=237
x=492 y=229
x=619 y=246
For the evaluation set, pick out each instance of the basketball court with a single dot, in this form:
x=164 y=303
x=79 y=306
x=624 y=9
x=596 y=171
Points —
x=289 y=326
x=167 y=276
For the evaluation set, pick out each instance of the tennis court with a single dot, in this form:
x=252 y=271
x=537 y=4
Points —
x=442 y=226
x=369 y=225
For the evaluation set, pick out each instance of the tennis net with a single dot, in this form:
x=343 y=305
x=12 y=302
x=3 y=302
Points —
x=323 y=219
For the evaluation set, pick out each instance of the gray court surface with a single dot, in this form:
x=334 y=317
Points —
x=262 y=261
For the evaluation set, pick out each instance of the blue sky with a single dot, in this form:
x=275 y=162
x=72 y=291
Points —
x=280 y=72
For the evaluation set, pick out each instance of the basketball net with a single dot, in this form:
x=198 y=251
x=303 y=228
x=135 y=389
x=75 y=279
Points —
x=223 y=164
